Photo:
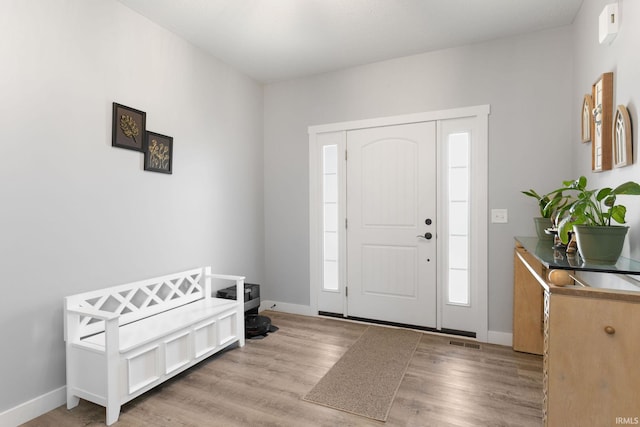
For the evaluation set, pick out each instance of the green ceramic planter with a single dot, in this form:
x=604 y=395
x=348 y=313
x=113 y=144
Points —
x=600 y=244
x=541 y=225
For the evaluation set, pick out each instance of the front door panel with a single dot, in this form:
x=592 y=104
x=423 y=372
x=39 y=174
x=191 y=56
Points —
x=391 y=213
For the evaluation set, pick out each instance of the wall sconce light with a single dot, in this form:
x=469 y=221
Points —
x=608 y=23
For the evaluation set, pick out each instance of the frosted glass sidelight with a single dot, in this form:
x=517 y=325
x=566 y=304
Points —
x=459 y=218
x=457 y=277
x=330 y=159
x=330 y=193
x=330 y=216
x=459 y=184
x=330 y=246
x=458 y=287
x=330 y=275
x=459 y=144
x=458 y=252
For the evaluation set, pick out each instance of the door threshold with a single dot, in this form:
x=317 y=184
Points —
x=443 y=331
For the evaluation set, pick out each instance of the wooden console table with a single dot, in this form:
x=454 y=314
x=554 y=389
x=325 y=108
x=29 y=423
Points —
x=589 y=337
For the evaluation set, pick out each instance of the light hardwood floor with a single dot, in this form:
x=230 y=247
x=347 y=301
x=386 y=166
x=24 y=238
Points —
x=262 y=384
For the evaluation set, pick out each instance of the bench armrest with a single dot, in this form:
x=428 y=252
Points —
x=238 y=279
x=92 y=312
x=72 y=324
x=225 y=276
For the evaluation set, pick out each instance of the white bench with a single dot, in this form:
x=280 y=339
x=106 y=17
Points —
x=124 y=340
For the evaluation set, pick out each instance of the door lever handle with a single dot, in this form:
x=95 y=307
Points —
x=426 y=236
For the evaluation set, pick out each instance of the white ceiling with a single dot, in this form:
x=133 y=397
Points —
x=273 y=40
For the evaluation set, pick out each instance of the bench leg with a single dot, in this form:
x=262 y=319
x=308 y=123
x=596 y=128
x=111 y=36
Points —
x=113 y=412
x=72 y=401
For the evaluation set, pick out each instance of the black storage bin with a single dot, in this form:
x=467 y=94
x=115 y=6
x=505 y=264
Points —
x=254 y=324
x=251 y=296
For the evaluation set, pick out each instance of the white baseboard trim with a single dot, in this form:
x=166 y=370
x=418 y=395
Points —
x=34 y=408
x=500 y=338
x=286 y=307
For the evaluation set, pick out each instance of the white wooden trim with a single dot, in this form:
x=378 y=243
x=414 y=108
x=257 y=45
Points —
x=480 y=222
x=33 y=408
x=455 y=113
x=315 y=221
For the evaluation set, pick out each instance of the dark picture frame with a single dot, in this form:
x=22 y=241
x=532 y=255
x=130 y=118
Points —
x=158 y=156
x=129 y=127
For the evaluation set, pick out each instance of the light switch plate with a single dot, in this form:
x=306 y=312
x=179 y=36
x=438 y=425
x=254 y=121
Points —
x=499 y=216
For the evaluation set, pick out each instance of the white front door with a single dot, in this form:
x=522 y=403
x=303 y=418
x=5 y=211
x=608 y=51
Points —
x=391 y=223
x=384 y=271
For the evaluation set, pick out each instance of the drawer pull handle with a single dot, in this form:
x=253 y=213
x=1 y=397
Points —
x=610 y=330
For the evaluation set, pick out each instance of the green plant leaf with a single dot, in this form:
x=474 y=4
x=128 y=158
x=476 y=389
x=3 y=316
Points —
x=604 y=193
x=531 y=193
x=629 y=187
x=609 y=201
x=617 y=213
x=582 y=183
x=564 y=227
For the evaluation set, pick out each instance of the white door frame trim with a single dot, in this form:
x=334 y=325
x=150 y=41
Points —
x=454 y=113
x=480 y=218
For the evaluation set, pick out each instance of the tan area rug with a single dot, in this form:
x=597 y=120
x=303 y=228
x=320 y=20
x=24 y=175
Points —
x=365 y=379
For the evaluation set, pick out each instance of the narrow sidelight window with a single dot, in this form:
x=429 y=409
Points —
x=330 y=216
x=457 y=275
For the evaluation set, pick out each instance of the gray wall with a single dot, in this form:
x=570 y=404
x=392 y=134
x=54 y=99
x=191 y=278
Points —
x=591 y=60
x=525 y=79
x=77 y=214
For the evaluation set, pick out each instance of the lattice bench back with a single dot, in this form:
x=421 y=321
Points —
x=137 y=300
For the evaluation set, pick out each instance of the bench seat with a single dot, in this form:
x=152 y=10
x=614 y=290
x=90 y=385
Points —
x=150 y=329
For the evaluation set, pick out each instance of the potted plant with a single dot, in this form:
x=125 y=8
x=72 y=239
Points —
x=590 y=217
x=548 y=204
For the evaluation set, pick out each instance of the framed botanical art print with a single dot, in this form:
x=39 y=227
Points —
x=158 y=155
x=587 y=118
x=622 y=139
x=128 y=128
x=601 y=151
